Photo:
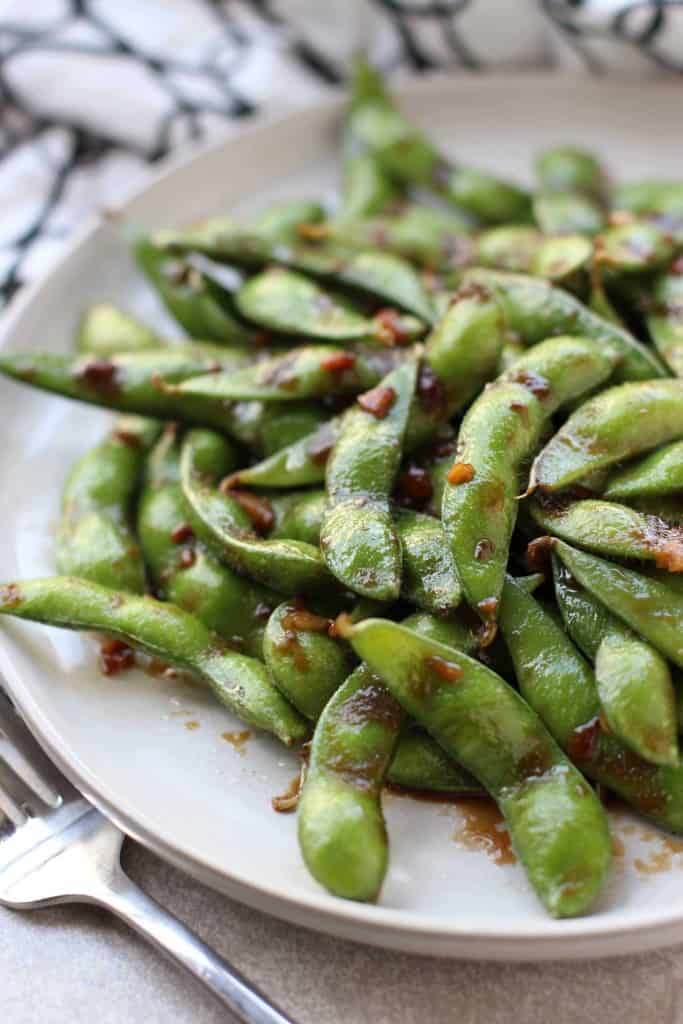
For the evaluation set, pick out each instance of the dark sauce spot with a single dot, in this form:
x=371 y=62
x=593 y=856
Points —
x=414 y=488
x=377 y=402
x=115 y=657
x=100 y=376
x=338 y=362
x=484 y=551
x=537 y=554
x=448 y=670
x=258 y=508
x=181 y=533
x=460 y=473
x=10 y=595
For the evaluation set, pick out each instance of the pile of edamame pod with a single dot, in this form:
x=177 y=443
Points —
x=415 y=496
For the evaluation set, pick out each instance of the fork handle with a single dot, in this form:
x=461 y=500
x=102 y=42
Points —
x=183 y=947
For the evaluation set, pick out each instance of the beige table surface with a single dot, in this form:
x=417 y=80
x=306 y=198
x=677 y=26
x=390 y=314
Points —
x=77 y=965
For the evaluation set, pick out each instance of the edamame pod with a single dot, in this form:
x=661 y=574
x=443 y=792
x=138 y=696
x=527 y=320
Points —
x=420 y=763
x=557 y=824
x=366 y=189
x=429 y=578
x=183 y=571
x=499 y=431
x=615 y=425
x=633 y=247
x=104 y=329
x=341 y=828
x=615 y=531
x=665 y=318
x=358 y=538
x=95 y=540
x=633 y=680
x=285 y=301
x=646 y=605
x=564 y=213
x=288 y=566
x=422 y=234
x=653 y=476
x=559 y=684
x=306 y=663
x=570 y=169
x=198 y=304
x=312 y=371
x=164 y=631
x=535 y=310
x=408 y=157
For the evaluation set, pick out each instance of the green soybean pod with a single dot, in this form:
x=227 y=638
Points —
x=162 y=630
x=429 y=579
x=104 y=329
x=652 y=476
x=295 y=465
x=95 y=539
x=309 y=371
x=665 y=317
x=535 y=310
x=366 y=190
x=557 y=824
x=564 y=213
x=341 y=828
x=612 y=530
x=646 y=605
x=288 y=566
x=358 y=538
x=499 y=431
x=634 y=247
x=616 y=424
x=199 y=306
x=559 y=684
x=287 y=301
x=181 y=568
x=633 y=680
x=306 y=663
x=280 y=221
x=299 y=515
x=570 y=169
x=420 y=763
x=507 y=247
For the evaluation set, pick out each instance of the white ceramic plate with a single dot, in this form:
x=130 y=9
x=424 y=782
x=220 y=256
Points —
x=129 y=742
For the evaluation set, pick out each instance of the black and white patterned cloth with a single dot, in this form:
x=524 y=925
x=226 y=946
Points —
x=93 y=92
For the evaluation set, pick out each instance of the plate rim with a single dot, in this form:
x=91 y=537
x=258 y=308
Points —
x=407 y=930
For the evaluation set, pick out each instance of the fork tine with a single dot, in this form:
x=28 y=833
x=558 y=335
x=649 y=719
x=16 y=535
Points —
x=21 y=753
x=15 y=796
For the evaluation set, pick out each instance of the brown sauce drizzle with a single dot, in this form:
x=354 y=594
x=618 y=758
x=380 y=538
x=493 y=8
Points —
x=237 y=740
x=115 y=657
x=338 y=362
x=447 y=670
x=414 y=487
x=258 y=508
x=483 y=829
x=289 y=800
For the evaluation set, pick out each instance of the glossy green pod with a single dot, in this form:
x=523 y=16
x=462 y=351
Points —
x=564 y=261
x=508 y=247
x=665 y=319
x=164 y=631
x=407 y=156
x=430 y=237
x=95 y=539
x=280 y=222
x=648 y=606
x=366 y=190
x=617 y=424
x=104 y=329
x=288 y=566
x=612 y=530
x=199 y=306
x=306 y=663
x=299 y=515
x=286 y=301
x=652 y=195
x=634 y=247
x=567 y=213
x=420 y=763
x=559 y=684
x=181 y=568
x=633 y=680
x=429 y=579
x=570 y=169
x=358 y=538
x=341 y=828
x=557 y=824
x=310 y=371
x=296 y=465
x=501 y=430
x=535 y=310
x=652 y=476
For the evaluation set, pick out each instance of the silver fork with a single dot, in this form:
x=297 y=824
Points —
x=55 y=847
